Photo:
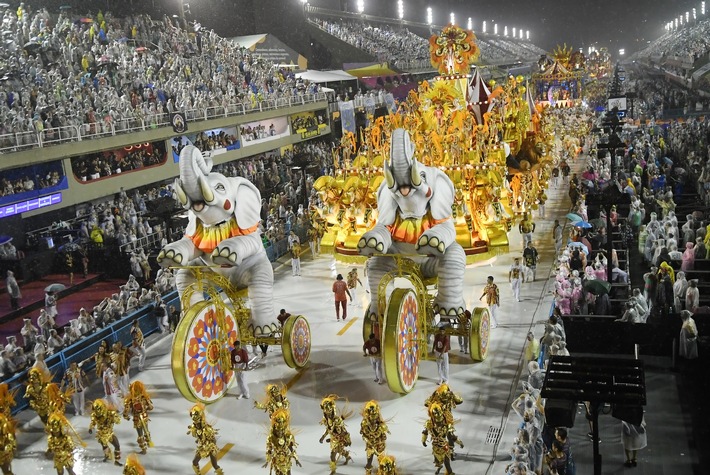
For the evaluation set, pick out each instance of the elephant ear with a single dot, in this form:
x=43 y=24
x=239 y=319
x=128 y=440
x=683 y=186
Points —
x=247 y=208
x=443 y=196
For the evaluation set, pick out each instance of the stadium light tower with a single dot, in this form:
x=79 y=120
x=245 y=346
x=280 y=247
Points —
x=429 y=16
x=515 y=32
x=505 y=31
x=521 y=33
x=676 y=23
x=361 y=6
x=400 y=9
x=484 y=26
x=702 y=8
x=469 y=24
x=527 y=35
x=687 y=17
x=452 y=18
x=495 y=28
x=695 y=14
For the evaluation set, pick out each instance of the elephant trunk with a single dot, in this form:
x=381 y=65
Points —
x=194 y=168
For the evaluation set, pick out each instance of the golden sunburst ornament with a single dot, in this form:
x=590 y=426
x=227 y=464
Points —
x=453 y=51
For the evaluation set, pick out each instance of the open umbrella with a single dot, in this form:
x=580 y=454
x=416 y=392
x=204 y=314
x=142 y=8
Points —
x=582 y=224
x=55 y=288
x=579 y=245
x=5 y=239
x=574 y=217
x=596 y=286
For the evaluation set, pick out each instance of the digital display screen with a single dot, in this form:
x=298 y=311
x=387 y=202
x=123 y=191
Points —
x=29 y=205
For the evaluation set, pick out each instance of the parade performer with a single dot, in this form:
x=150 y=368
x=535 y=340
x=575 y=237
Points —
x=374 y=432
x=121 y=363
x=275 y=399
x=138 y=343
x=447 y=400
x=387 y=465
x=60 y=442
x=372 y=348
x=335 y=430
x=111 y=389
x=492 y=295
x=138 y=403
x=439 y=431
x=280 y=444
x=515 y=277
x=103 y=418
x=7 y=400
x=36 y=393
x=8 y=444
x=102 y=355
x=133 y=466
x=57 y=400
x=75 y=382
x=205 y=437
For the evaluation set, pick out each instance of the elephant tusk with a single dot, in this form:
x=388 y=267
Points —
x=388 y=177
x=207 y=192
x=182 y=196
x=415 y=176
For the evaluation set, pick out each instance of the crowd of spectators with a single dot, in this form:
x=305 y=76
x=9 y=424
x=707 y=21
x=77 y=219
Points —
x=100 y=74
x=206 y=141
x=113 y=162
x=30 y=178
x=687 y=43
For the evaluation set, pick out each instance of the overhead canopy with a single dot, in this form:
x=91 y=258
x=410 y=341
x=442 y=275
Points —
x=334 y=75
x=271 y=48
x=378 y=69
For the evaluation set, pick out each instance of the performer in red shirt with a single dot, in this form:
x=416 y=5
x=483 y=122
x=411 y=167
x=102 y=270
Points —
x=240 y=363
x=441 y=351
x=372 y=349
x=340 y=289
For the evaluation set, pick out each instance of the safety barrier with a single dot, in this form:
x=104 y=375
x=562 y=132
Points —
x=84 y=349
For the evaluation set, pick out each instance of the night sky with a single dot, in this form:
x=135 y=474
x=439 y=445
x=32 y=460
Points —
x=615 y=24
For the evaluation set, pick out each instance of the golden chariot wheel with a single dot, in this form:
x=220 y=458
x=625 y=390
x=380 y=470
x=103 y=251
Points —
x=296 y=341
x=200 y=355
x=480 y=333
x=401 y=340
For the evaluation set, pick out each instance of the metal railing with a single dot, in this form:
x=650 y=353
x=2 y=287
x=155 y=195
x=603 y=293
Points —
x=19 y=141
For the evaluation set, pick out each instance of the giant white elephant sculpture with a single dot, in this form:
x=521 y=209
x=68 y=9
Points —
x=222 y=231
x=414 y=203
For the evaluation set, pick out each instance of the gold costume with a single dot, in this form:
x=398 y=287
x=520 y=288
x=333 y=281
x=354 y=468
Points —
x=60 y=442
x=281 y=444
x=374 y=432
x=138 y=403
x=275 y=399
x=335 y=429
x=103 y=418
x=205 y=437
x=387 y=465
x=7 y=400
x=56 y=399
x=440 y=432
x=447 y=400
x=36 y=393
x=133 y=466
x=102 y=356
x=8 y=444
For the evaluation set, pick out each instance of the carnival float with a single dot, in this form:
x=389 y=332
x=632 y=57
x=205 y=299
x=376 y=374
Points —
x=489 y=139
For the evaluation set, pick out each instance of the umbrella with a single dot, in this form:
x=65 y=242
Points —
x=579 y=245
x=55 y=288
x=596 y=286
x=5 y=239
x=574 y=217
x=582 y=224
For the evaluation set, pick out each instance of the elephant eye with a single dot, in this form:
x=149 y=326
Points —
x=219 y=187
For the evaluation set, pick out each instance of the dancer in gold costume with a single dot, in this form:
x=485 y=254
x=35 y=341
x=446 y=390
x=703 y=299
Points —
x=335 y=430
x=205 y=437
x=103 y=418
x=57 y=400
x=60 y=442
x=374 y=432
x=8 y=444
x=133 y=466
x=448 y=400
x=139 y=403
x=275 y=399
x=439 y=431
x=7 y=400
x=281 y=444
x=387 y=465
x=36 y=393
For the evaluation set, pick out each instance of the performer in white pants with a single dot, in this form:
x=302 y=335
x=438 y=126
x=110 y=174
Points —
x=515 y=277
x=492 y=295
x=442 y=346
x=240 y=363
x=75 y=380
x=111 y=389
x=372 y=349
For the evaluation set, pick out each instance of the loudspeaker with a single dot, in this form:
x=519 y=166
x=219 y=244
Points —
x=560 y=412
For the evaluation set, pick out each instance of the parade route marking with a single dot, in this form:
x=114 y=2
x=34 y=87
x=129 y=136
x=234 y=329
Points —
x=295 y=379
x=220 y=454
x=347 y=325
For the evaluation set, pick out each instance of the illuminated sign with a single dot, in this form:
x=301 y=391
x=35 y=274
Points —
x=30 y=205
